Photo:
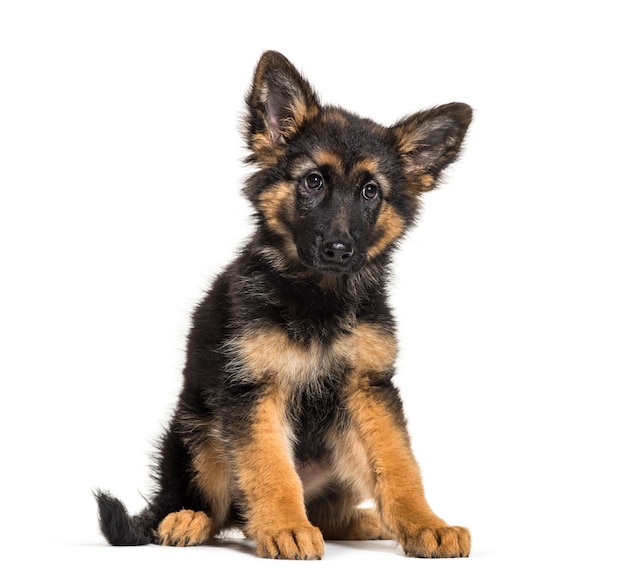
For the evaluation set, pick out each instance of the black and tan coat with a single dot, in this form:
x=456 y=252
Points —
x=288 y=419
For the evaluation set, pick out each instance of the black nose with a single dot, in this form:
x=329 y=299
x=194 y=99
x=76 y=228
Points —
x=338 y=250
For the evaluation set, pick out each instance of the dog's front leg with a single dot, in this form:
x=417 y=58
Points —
x=274 y=498
x=398 y=483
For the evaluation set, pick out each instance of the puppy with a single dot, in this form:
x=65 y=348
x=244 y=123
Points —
x=288 y=419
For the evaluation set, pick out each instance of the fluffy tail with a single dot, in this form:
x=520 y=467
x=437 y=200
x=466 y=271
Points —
x=120 y=528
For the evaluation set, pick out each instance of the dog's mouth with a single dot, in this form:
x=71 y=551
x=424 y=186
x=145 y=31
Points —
x=333 y=270
x=337 y=263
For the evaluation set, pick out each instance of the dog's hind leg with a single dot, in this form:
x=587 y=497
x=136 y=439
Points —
x=185 y=528
x=339 y=516
x=363 y=524
x=212 y=478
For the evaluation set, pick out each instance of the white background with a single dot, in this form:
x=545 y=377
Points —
x=119 y=177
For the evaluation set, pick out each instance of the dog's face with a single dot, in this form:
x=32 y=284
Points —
x=334 y=190
x=337 y=183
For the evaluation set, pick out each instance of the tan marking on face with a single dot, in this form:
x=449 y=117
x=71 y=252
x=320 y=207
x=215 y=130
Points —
x=390 y=225
x=371 y=167
x=368 y=165
x=324 y=157
x=274 y=203
x=302 y=166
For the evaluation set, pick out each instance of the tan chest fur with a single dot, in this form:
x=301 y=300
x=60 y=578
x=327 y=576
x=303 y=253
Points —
x=268 y=355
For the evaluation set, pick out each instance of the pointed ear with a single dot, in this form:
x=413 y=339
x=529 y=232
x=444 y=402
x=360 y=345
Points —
x=429 y=141
x=279 y=103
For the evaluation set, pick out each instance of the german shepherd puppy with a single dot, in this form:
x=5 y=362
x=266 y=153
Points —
x=288 y=419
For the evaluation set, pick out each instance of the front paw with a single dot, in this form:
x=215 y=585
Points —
x=437 y=542
x=303 y=543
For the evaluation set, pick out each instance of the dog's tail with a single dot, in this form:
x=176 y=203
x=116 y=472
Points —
x=119 y=527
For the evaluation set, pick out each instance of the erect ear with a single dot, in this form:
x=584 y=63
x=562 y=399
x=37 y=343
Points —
x=279 y=103
x=430 y=140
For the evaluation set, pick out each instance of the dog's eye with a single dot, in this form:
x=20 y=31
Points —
x=314 y=181
x=369 y=190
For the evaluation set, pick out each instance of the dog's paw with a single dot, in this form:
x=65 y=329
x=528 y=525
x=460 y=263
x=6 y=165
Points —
x=304 y=543
x=365 y=524
x=437 y=542
x=184 y=528
x=368 y=526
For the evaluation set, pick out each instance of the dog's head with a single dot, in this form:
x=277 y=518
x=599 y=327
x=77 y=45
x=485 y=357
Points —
x=335 y=191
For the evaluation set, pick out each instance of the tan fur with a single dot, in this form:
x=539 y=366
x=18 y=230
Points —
x=364 y=525
x=277 y=520
x=275 y=202
x=371 y=167
x=426 y=181
x=185 y=528
x=366 y=166
x=324 y=157
x=268 y=354
x=398 y=486
x=301 y=111
x=269 y=144
x=369 y=347
x=214 y=478
x=267 y=151
x=390 y=226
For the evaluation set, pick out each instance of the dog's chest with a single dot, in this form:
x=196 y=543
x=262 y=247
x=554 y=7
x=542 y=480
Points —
x=269 y=355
